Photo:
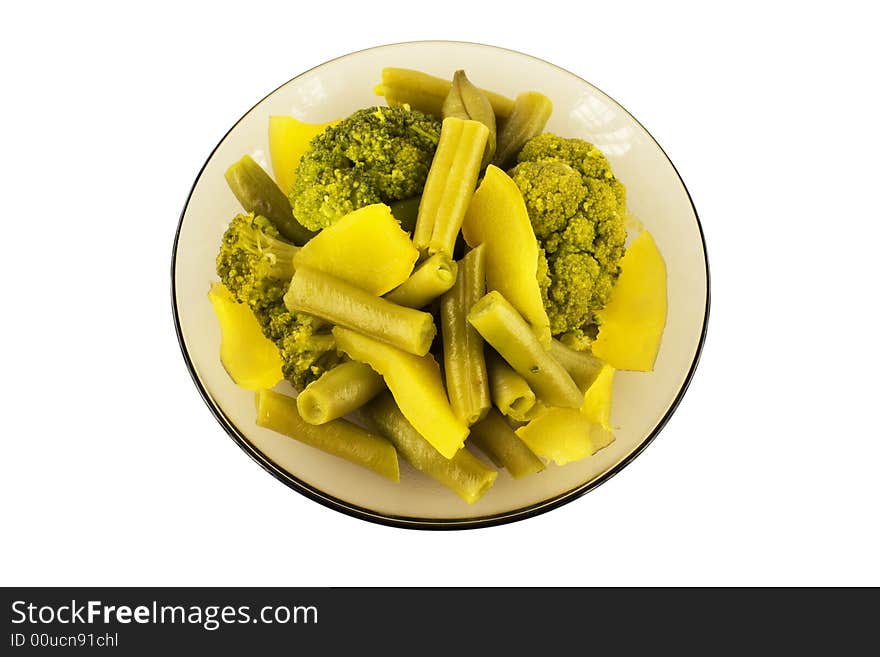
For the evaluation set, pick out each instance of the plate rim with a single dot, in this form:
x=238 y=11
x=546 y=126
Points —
x=414 y=522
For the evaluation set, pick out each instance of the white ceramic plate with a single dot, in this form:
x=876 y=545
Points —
x=655 y=194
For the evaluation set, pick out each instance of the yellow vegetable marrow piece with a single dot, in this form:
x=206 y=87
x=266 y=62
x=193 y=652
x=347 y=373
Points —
x=416 y=385
x=597 y=398
x=288 y=140
x=251 y=359
x=497 y=218
x=564 y=435
x=632 y=322
x=366 y=248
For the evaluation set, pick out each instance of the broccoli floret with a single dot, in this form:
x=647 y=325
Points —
x=553 y=192
x=253 y=255
x=577 y=209
x=256 y=265
x=376 y=155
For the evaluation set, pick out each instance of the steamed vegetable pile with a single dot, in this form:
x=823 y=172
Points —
x=436 y=275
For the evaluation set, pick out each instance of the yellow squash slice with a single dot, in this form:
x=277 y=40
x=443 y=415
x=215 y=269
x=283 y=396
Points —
x=251 y=359
x=417 y=387
x=632 y=322
x=564 y=435
x=597 y=399
x=366 y=248
x=288 y=140
x=498 y=219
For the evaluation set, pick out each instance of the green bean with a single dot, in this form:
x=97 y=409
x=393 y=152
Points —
x=338 y=437
x=466 y=380
x=429 y=280
x=583 y=366
x=465 y=101
x=426 y=93
x=509 y=391
x=258 y=193
x=450 y=184
x=342 y=303
x=504 y=328
x=530 y=114
x=535 y=411
x=498 y=441
x=406 y=212
x=464 y=474
x=338 y=392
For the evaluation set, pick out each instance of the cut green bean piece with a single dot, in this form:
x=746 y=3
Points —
x=258 y=193
x=338 y=437
x=406 y=212
x=464 y=474
x=426 y=93
x=450 y=185
x=509 y=391
x=338 y=392
x=505 y=329
x=429 y=203
x=429 y=280
x=330 y=298
x=499 y=442
x=467 y=382
x=465 y=101
x=530 y=114
x=583 y=366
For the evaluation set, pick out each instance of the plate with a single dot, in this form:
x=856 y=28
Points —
x=656 y=195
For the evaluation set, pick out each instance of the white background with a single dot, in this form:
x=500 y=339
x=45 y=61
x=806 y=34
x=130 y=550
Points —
x=113 y=471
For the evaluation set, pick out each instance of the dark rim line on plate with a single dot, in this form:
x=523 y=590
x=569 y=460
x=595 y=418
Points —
x=410 y=522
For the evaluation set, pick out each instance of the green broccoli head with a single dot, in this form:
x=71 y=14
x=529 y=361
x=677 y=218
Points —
x=581 y=155
x=376 y=155
x=256 y=265
x=307 y=347
x=577 y=209
x=553 y=192
x=253 y=255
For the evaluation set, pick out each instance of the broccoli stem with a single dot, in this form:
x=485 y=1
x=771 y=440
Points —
x=278 y=255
